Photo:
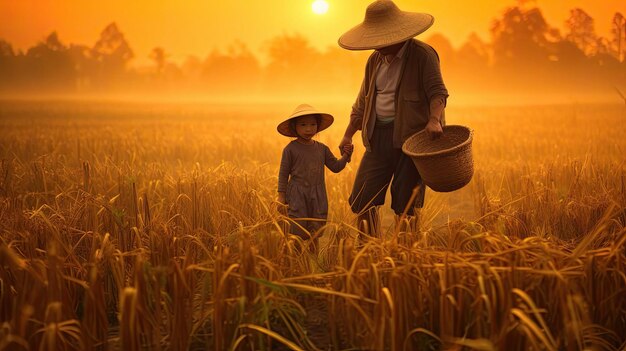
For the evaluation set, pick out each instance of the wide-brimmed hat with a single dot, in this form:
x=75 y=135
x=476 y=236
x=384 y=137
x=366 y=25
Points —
x=303 y=110
x=385 y=24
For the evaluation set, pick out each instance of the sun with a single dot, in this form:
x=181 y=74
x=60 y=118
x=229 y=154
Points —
x=320 y=7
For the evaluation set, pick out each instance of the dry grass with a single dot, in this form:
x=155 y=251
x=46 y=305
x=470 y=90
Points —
x=154 y=228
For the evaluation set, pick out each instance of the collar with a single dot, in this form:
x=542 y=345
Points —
x=399 y=54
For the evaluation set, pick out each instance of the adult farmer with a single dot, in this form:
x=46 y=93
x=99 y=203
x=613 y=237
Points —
x=402 y=93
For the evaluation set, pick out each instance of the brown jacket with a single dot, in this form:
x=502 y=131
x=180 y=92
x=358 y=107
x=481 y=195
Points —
x=420 y=80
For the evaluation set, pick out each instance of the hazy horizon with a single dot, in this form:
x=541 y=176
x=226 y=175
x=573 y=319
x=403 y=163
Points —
x=196 y=28
x=528 y=56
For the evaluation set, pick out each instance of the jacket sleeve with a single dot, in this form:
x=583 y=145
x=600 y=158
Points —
x=433 y=81
x=284 y=171
x=358 y=109
x=332 y=162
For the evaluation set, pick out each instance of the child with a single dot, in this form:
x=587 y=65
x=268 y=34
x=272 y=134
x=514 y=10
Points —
x=301 y=185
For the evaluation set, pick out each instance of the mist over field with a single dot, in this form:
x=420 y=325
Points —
x=525 y=59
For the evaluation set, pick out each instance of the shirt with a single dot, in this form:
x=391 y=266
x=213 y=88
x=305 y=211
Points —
x=301 y=178
x=420 y=81
x=386 y=82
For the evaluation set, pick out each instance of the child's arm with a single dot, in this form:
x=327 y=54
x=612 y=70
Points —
x=334 y=164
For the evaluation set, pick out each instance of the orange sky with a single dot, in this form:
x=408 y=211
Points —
x=197 y=26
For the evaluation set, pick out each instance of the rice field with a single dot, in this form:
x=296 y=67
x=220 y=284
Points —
x=140 y=226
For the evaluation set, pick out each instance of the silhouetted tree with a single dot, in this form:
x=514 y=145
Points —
x=6 y=49
x=618 y=31
x=474 y=50
x=237 y=69
x=49 y=65
x=444 y=48
x=568 y=56
x=603 y=47
x=294 y=64
x=339 y=72
x=521 y=36
x=159 y=57
x=524 y=52
x=192 y=68
x=84 y=64
x=472 y=61
x=112 y=52
x=581 y=32
x=7 y=64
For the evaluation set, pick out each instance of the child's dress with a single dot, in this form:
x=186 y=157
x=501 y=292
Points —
x=301 y=178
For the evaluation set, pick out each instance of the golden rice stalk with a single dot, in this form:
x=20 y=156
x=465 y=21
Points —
x=59 y=334
x=11 y=342
x=575 y=321
x=534 y=330
x=129 y=328
x=420 y=330
x=181 y=307
x=528 y=300
x=235 y=345
x=219 y=306
x=388 y=300
x=95 y=323
x=273 y=335
x=474 y=344
x=8 y=257
x=53 y=312
x=315 y=289
x=296 y=329
x=601 y=228
x=86 y=177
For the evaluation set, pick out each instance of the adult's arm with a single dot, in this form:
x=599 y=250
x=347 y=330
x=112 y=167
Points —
x=347 y=137
x=358 y=108
x=436 y=92
x=437 y=105
x=356 y=117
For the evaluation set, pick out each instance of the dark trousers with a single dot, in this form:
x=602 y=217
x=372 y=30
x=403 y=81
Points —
x=380 y=167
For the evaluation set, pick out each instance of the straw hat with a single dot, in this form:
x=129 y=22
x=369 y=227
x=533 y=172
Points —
x=302 y=110
x=385 y=24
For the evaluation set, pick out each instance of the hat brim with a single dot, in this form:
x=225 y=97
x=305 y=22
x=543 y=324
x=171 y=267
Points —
x=367 y=36
x=285 y=129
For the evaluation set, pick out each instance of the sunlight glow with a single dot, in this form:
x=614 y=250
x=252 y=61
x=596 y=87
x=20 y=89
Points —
x=320 y=7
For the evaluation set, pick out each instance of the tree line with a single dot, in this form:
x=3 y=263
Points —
x=523 y=52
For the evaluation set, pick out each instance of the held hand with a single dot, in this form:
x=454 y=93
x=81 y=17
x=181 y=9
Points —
x=347 y=149
x=344 y=141
x=346 y=152
x=434 y=129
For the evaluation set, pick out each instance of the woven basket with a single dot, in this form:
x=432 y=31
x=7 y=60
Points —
x=445 y=164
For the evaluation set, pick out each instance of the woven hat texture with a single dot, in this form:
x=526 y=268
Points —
x=385 y=24
x=302 y=110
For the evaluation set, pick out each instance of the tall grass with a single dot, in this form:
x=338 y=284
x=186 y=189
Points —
x=134 y=227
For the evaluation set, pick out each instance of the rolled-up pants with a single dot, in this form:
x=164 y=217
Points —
x=380 y=167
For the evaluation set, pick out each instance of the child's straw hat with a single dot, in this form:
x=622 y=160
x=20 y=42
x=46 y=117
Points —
x=302 y=110
x=384 y=25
